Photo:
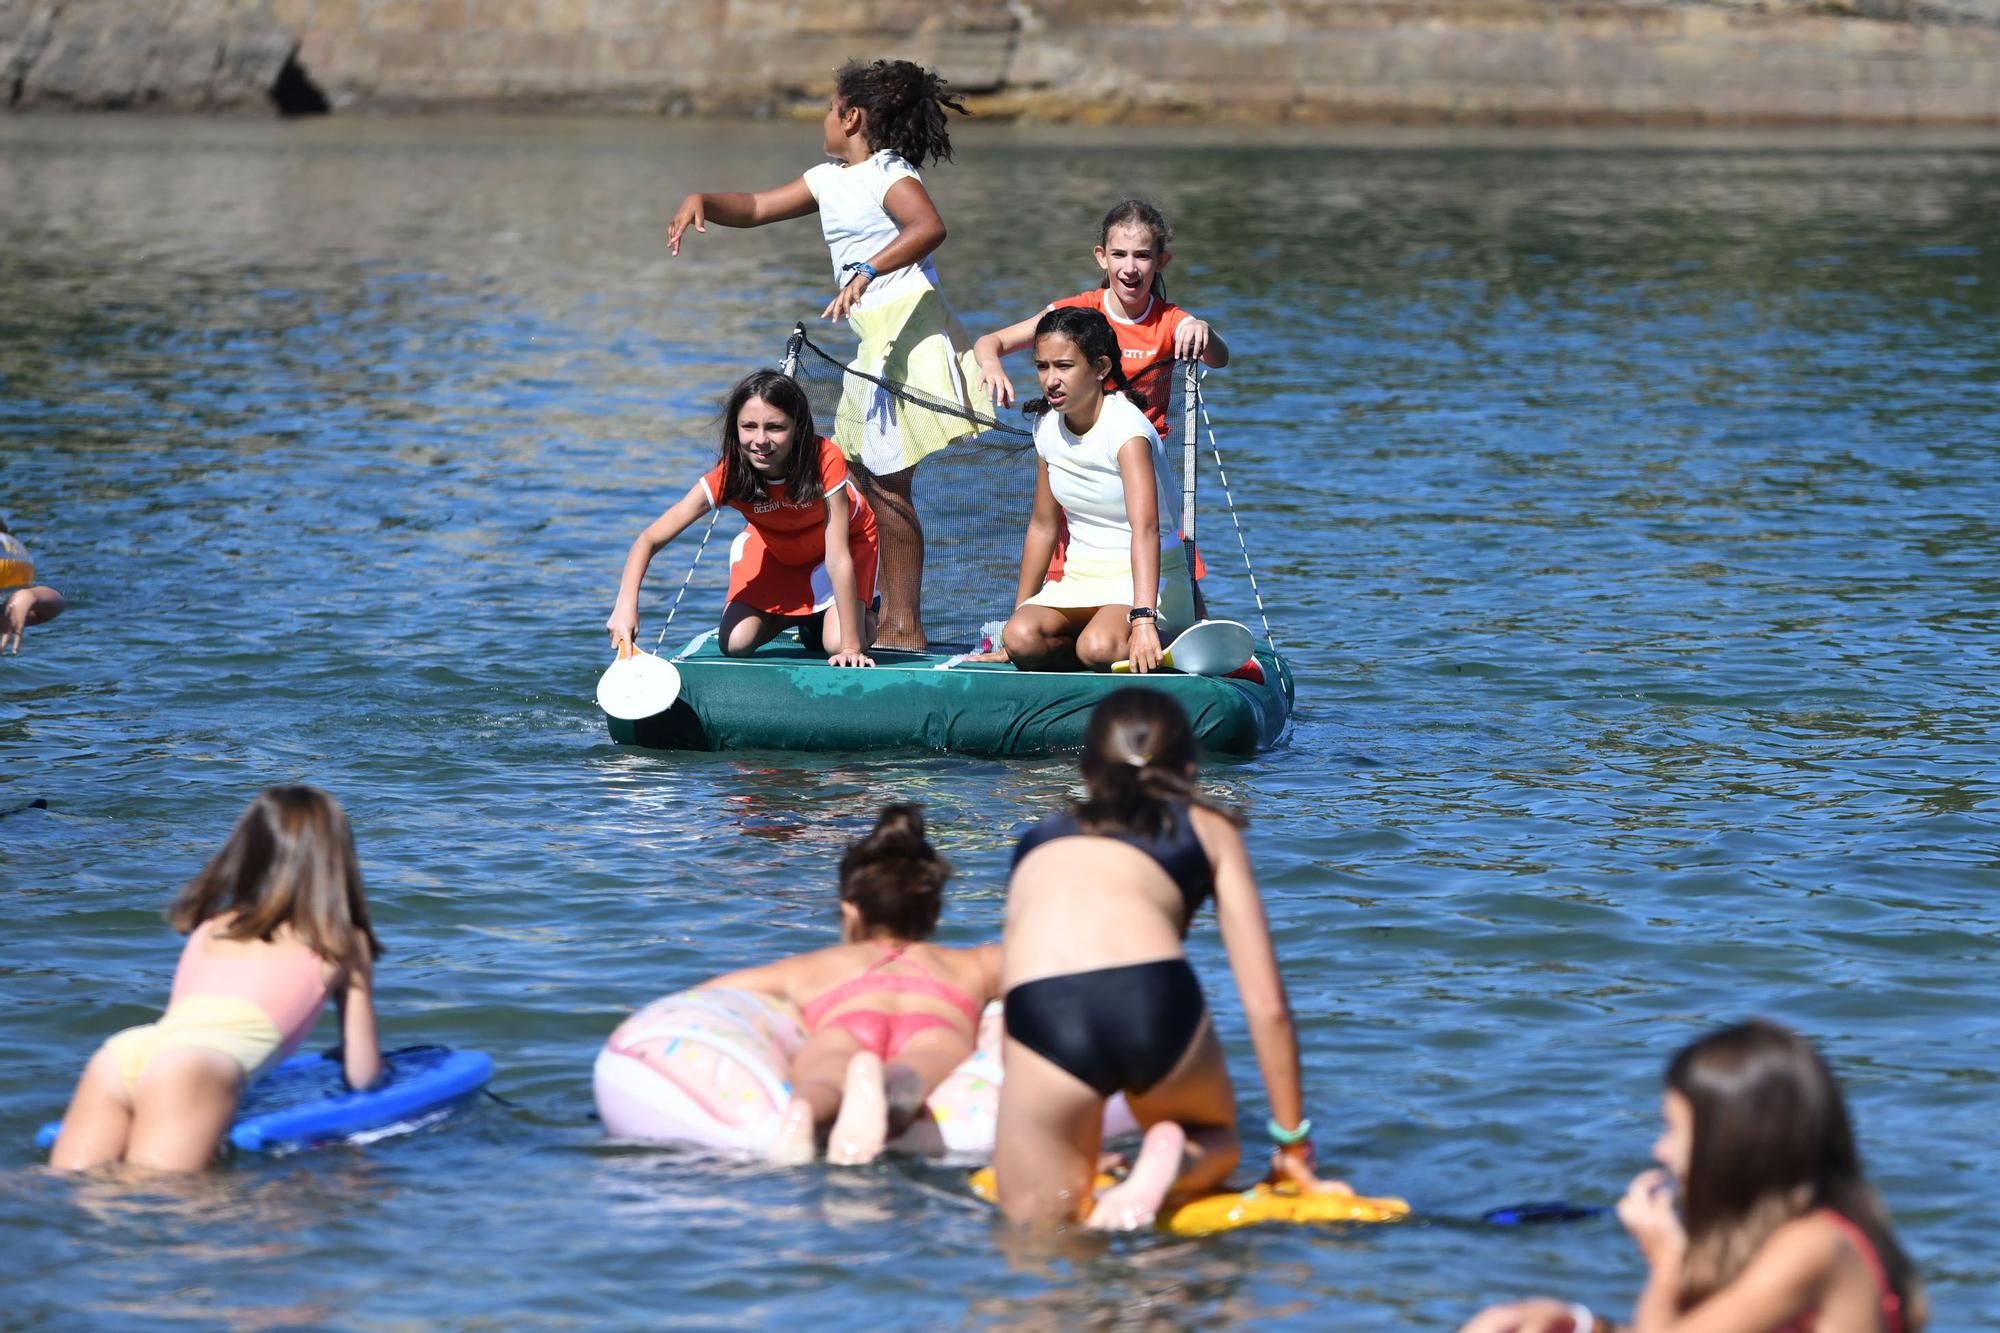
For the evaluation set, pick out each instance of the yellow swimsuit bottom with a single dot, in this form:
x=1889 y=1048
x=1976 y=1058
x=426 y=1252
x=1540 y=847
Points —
x=227 y=1023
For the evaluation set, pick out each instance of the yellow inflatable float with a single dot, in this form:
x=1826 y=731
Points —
x=17 y=568
x=1248 y=1208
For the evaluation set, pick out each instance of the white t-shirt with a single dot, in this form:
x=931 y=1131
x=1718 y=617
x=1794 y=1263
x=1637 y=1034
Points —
x=1084 y=475
x=856 y=226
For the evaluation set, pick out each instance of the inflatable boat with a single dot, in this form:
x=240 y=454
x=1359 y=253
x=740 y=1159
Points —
x=784 y=697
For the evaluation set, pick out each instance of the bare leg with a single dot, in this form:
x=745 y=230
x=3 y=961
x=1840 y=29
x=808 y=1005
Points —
x=862 y=1126
x=829 y=630
x=181 y=1108
x=1106 y=639
x=925 y=1061
x=1041 y=638
x=98 y=1124
x=1135 y=1201
x=1197 y=1097
x=902 y=536
x=1045 y=1146
x=818 y=1072
x=745 y=629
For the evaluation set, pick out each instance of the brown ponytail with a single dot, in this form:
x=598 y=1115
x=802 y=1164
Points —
x=894 y=877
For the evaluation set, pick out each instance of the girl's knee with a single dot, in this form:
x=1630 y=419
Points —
x=1023 y=640
x=1095 y=648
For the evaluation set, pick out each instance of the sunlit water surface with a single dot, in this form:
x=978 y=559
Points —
x=1630 y=510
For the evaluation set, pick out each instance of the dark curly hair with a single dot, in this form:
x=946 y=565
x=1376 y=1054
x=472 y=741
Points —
x=894 y=877
x=905 y=104
x=740 y=482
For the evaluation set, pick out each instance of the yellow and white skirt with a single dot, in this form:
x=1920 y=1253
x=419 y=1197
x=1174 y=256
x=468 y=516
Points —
x=912 y=342
x=1089 y=582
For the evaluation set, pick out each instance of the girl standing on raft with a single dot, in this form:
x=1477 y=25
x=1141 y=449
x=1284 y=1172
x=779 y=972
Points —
x=808 y=557
x=1099 y=995
x=886 y=120
x=276 y=923
x=1777 y=1230
x=888 y=1016
x=1099 y=473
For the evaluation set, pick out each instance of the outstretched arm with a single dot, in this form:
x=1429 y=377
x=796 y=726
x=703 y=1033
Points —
x=361 y=1049
x=24 y=607
x=1194 y=338
x=624 y=621
x=737 y=209
x=777 y=980
x=990 y=347
x=919 y=230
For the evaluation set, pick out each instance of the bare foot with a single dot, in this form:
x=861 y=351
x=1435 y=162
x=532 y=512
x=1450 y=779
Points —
x=1135 y=1200
x=905 y=1094
x=795 y=1145
x=863 y=1123
x=906 y=641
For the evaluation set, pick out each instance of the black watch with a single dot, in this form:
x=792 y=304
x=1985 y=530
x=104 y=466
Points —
x=1139 y=613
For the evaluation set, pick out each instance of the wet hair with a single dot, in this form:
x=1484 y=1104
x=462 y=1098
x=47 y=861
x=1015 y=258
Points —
x=1771 y=1143
x=740 y=482
x=289 y=862
x=1139 y=758
x=1139 y=213
x=1091 y=332
x=905 y=104
x=894 y=877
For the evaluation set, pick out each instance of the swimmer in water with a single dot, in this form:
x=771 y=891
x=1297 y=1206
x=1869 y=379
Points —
x=23 y=602
x=1759 y=1219
x=1100 y=998
x=888 y=1016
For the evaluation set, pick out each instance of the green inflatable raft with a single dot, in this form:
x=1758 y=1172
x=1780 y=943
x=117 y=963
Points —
x=783 y=697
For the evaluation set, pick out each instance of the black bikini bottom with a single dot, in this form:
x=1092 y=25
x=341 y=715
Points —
x=1119 y=1029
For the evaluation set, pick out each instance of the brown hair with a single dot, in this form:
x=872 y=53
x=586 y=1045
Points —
x=1139 y=757
x=740 y=482
x=1772 y=1142
x=894 y=877
x=289 y=861
x=1139 y=213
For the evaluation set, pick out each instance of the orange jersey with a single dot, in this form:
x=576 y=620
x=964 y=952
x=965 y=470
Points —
x=794 y=532
x=1147 y=344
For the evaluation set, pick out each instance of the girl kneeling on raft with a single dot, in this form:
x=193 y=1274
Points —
x=1099 y=995
x=1099 y=472
x=277 y=923
x=888 y=1016
x=808 y=556
x=1777 y=1230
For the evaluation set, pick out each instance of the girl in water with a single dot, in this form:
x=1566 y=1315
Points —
x=1152 y=331
x=888 y=1016
x=1099 y=475
x=885 y=122
x=808 y=556
x=1099 y=995
x=1776 y=1230
x=276 y=923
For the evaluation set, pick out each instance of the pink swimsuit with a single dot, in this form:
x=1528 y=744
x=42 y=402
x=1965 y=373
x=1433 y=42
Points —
x=879 y=1030
x=1892 y=1304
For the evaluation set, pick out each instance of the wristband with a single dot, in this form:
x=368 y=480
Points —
x=1285 y=1138
x=1581 y=1317
x=860 y=266
x=1139 y=613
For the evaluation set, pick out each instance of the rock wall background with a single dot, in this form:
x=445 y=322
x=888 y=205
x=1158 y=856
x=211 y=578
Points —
x=1856 y=61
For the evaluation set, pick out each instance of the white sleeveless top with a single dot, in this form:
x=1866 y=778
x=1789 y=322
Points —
x=856 y=226
x=1083 y=474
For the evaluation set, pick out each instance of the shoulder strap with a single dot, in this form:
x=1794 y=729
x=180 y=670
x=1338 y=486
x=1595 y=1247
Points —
x=1892 y=1304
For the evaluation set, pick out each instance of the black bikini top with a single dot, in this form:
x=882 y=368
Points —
x=1179 y=852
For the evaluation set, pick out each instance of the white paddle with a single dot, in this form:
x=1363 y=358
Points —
x=638 y=685
x=1208 y=648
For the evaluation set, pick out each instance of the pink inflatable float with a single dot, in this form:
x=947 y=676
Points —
x=712 y=1069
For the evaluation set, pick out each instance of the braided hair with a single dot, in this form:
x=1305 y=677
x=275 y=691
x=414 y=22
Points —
x=905 y=104
x=894 y=877
x=1091 y=332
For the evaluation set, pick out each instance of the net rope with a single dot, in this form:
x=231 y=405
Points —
x=1229 y=502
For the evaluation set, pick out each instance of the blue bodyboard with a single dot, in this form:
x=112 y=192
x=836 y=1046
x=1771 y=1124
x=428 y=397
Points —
x=306 y=1099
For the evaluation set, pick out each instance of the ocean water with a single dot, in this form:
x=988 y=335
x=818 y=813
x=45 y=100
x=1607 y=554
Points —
x=1629 y=507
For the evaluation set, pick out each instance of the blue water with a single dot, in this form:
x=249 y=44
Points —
x=1628 y=507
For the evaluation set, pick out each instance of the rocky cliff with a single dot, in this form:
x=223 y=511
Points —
x=1855 y=61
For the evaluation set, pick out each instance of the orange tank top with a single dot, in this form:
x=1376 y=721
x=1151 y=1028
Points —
x=285 y=980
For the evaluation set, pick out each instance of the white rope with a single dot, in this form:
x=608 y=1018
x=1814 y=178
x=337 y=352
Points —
x=1201 y=404
x=706 y=533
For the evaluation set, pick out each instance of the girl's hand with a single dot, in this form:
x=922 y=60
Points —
x=847 y=299
x=690 y=211
x=14 y=619
x=1297 y=1165
x=850 y=657
x=1144 y=647
x=1536 y=1316
x=623 y=625
x=1647 y=1210
x=998 y=387
x=1191 y=339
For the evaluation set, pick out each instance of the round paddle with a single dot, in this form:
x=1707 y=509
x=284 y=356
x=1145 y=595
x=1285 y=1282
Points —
x=1209 y=648
x=638 y=685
